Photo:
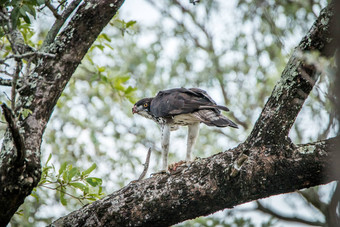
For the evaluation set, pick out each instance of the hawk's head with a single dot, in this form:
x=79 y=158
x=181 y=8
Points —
x=142 y=107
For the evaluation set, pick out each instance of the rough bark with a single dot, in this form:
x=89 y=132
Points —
x=208 y=185
x=39 y=94
x=334 y=206
x=268 y=163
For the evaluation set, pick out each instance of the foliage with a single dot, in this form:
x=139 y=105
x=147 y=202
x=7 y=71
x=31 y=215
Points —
x=70 y=177
x=236 y=55
x=17 y=10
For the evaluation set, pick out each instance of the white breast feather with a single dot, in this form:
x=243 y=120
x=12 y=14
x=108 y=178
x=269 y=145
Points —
x=185 y=119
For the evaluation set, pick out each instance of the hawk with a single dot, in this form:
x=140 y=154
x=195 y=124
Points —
x=182 y=107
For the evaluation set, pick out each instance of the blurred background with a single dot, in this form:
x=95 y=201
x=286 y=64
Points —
x=235 y=50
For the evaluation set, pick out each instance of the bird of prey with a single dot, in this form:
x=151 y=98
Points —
x=182 y=107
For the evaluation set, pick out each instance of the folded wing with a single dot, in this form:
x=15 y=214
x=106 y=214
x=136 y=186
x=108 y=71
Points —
x=182 y=101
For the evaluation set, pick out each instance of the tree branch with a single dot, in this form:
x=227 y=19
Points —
x=26 y=55
x=297 y=80
x=5 y=82
x=271 y=212
x=53 y=10
x=17 y=138
x=222 y=181
x=313 y=198
x=264 y=165
x=60 y=21
x=146 y=165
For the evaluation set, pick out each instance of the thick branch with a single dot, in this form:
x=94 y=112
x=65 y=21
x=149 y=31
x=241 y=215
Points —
x=297 y=80
x=208 y=185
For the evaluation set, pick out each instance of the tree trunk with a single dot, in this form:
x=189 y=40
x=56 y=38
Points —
x=20 y=167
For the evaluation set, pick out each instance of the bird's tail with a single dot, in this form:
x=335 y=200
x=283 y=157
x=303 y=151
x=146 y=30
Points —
x=212 y=118
x=224 y=122
x=214 y=107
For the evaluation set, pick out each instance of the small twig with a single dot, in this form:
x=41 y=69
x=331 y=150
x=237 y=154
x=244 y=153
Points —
x=53 y=10
x=17 y=138
x=25 y=55
x=66 y=193
x=61 y=3
x=9 y=99
x=146 y=165
x=5 y=82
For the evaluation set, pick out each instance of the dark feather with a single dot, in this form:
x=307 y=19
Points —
x=182 y=101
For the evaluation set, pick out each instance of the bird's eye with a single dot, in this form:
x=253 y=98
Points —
x=145 y=105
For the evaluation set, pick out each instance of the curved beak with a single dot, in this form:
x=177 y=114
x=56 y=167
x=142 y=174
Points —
x=134 y=109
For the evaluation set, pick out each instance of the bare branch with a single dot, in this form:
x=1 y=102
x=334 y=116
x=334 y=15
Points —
x=146 y=165
x=5 y=82
x=53 y=10
x=26 y=55
x=270 y=211
x=313 y=198
x=17 y=138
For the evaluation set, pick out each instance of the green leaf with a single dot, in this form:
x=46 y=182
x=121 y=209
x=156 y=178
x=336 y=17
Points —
x=99 y=46
x=79 y=185
x=62 y=198
x=62 y=168
x=14 y=17
x=20 y=212
x=101 y=69
x=74 y=171
x=40 y=2
x=130 y=89
x=124 y=78
x=48 y=159
x=130 y=23
x=104 y=78
x=26 y=112
x=89 y=170
x=29 y=9
x=26 y=19
x=105 y=37
x=33 y=194
x=91 y=199
x=94 y=181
